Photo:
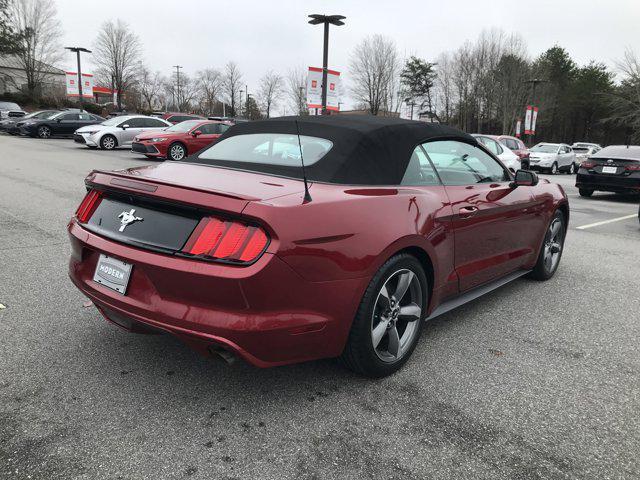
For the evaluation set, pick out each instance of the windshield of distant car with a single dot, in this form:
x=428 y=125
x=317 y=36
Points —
x=581 y=149
x=113 y=121
x=545 y=149
x=183 y=127
x=9 y=106
x=280 y=149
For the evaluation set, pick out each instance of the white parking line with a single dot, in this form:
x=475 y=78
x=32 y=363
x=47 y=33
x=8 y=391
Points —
x=604 y=222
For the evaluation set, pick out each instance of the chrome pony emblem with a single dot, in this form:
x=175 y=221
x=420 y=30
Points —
x=127 y=218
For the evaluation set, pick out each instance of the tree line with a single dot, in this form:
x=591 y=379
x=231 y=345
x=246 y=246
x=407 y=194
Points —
x=483 y=86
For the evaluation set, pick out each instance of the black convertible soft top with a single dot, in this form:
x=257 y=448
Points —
x=367 y=150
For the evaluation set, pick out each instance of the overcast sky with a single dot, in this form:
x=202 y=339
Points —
x=262 y=35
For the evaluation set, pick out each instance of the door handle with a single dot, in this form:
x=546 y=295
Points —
x=467 y=211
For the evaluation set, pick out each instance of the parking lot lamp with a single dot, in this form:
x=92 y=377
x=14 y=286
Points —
x=78 y=50
x=336 y=20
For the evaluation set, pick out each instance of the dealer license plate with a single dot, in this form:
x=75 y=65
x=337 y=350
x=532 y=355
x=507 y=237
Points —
x=609 y=169
x=112 y=273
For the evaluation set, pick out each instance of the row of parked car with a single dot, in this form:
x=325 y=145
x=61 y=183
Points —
x=545 y=157
x=167 y=135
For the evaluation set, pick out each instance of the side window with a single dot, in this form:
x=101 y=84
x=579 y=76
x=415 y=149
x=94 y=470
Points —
x=222 y=127
x=208 y=128
x=154 y=122
x=84 y=117
x=512 y=144
x=70 y=116
x=459 y=163
x=137 y=122
x=493 y=146
x=419 y=170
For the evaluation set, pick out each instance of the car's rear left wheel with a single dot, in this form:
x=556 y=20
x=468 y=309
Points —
x=388 y=322
x=572 y=169
x=585 y=192
x=554 y=168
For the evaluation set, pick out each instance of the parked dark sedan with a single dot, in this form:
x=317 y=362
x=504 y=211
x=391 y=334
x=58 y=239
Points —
x=61 y=124
x=12 y=125
x=615 y=168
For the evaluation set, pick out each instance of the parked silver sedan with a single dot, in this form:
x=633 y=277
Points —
x=118 y=131
x=553 y=158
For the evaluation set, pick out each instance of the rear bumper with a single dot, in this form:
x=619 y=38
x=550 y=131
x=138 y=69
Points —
x=608 y=183
x=266 y=313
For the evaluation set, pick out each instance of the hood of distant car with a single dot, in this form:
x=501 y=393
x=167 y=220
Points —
x=159 y=134
x=92 y=128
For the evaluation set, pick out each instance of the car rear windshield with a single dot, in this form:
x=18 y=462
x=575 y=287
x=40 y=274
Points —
x=619 y=152
x=183 y=127
x=545 y=148
x=580 y=149
x=277 y=149
x=9 y=106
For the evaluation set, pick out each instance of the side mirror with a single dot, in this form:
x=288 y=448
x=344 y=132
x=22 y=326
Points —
x=125 y=126
x=196 y=133
x=525 y=178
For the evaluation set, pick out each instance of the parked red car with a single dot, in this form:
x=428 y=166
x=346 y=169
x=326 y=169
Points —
x=517 y=146
x=180 y=140
x=235 y=253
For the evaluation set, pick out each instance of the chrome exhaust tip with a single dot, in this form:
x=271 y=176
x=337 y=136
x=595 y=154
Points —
x=229 y=357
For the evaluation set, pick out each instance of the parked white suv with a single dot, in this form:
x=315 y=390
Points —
x=553 y=158
x=118 y=131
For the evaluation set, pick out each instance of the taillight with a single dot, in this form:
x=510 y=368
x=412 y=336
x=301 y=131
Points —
x=228 y=240
x=634 y=167
x=88 y=205
x=587 y=164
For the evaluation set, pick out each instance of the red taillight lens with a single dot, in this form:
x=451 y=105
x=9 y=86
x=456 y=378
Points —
x=634 y=167
x=88 y=205
x=587 y=164
x=227 y=240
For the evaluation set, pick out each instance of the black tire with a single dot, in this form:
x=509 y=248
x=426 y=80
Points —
x=176 y=151
x=108 y=142
x=544 y=269
x=572 y=169
x=44 y=132
x=359 y=354
x=585 y=192
x=554 y=168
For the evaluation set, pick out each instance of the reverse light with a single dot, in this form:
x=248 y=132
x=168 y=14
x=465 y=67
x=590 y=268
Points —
x=88 y=205
x=227 y=240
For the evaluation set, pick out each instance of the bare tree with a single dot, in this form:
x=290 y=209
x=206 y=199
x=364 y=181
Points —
x=374 y=67
x=444 y=93
x=150 y=86
x=270 y=91
x=116 y=55
x=297 y=90
x=232 y=84
x=38 y=46
x=210 y=85
x=625 y=100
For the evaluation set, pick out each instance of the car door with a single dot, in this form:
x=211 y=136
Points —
x=66 y=124
x=208 y=135
x=84 y=119
x=133 y=128
x=495 y=225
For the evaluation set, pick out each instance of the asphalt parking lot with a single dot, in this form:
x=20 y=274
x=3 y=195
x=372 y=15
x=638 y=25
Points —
x=536 y=380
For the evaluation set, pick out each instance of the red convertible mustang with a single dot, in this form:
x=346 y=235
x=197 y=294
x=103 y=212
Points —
x=236 y=254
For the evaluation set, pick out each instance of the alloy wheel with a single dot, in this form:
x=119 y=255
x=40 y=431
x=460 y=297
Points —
x=108 y=143
x=177 y=152
x=572 y=169
x=44 y=132
x=396 y=315
x=554 y=168
x=553 y=245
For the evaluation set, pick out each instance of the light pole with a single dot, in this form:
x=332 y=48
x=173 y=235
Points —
x=336 y=20
x=78 y=50
x=534 y=82
x=177 y=67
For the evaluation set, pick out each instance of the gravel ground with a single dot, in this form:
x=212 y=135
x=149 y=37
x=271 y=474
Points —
x=536 y=380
